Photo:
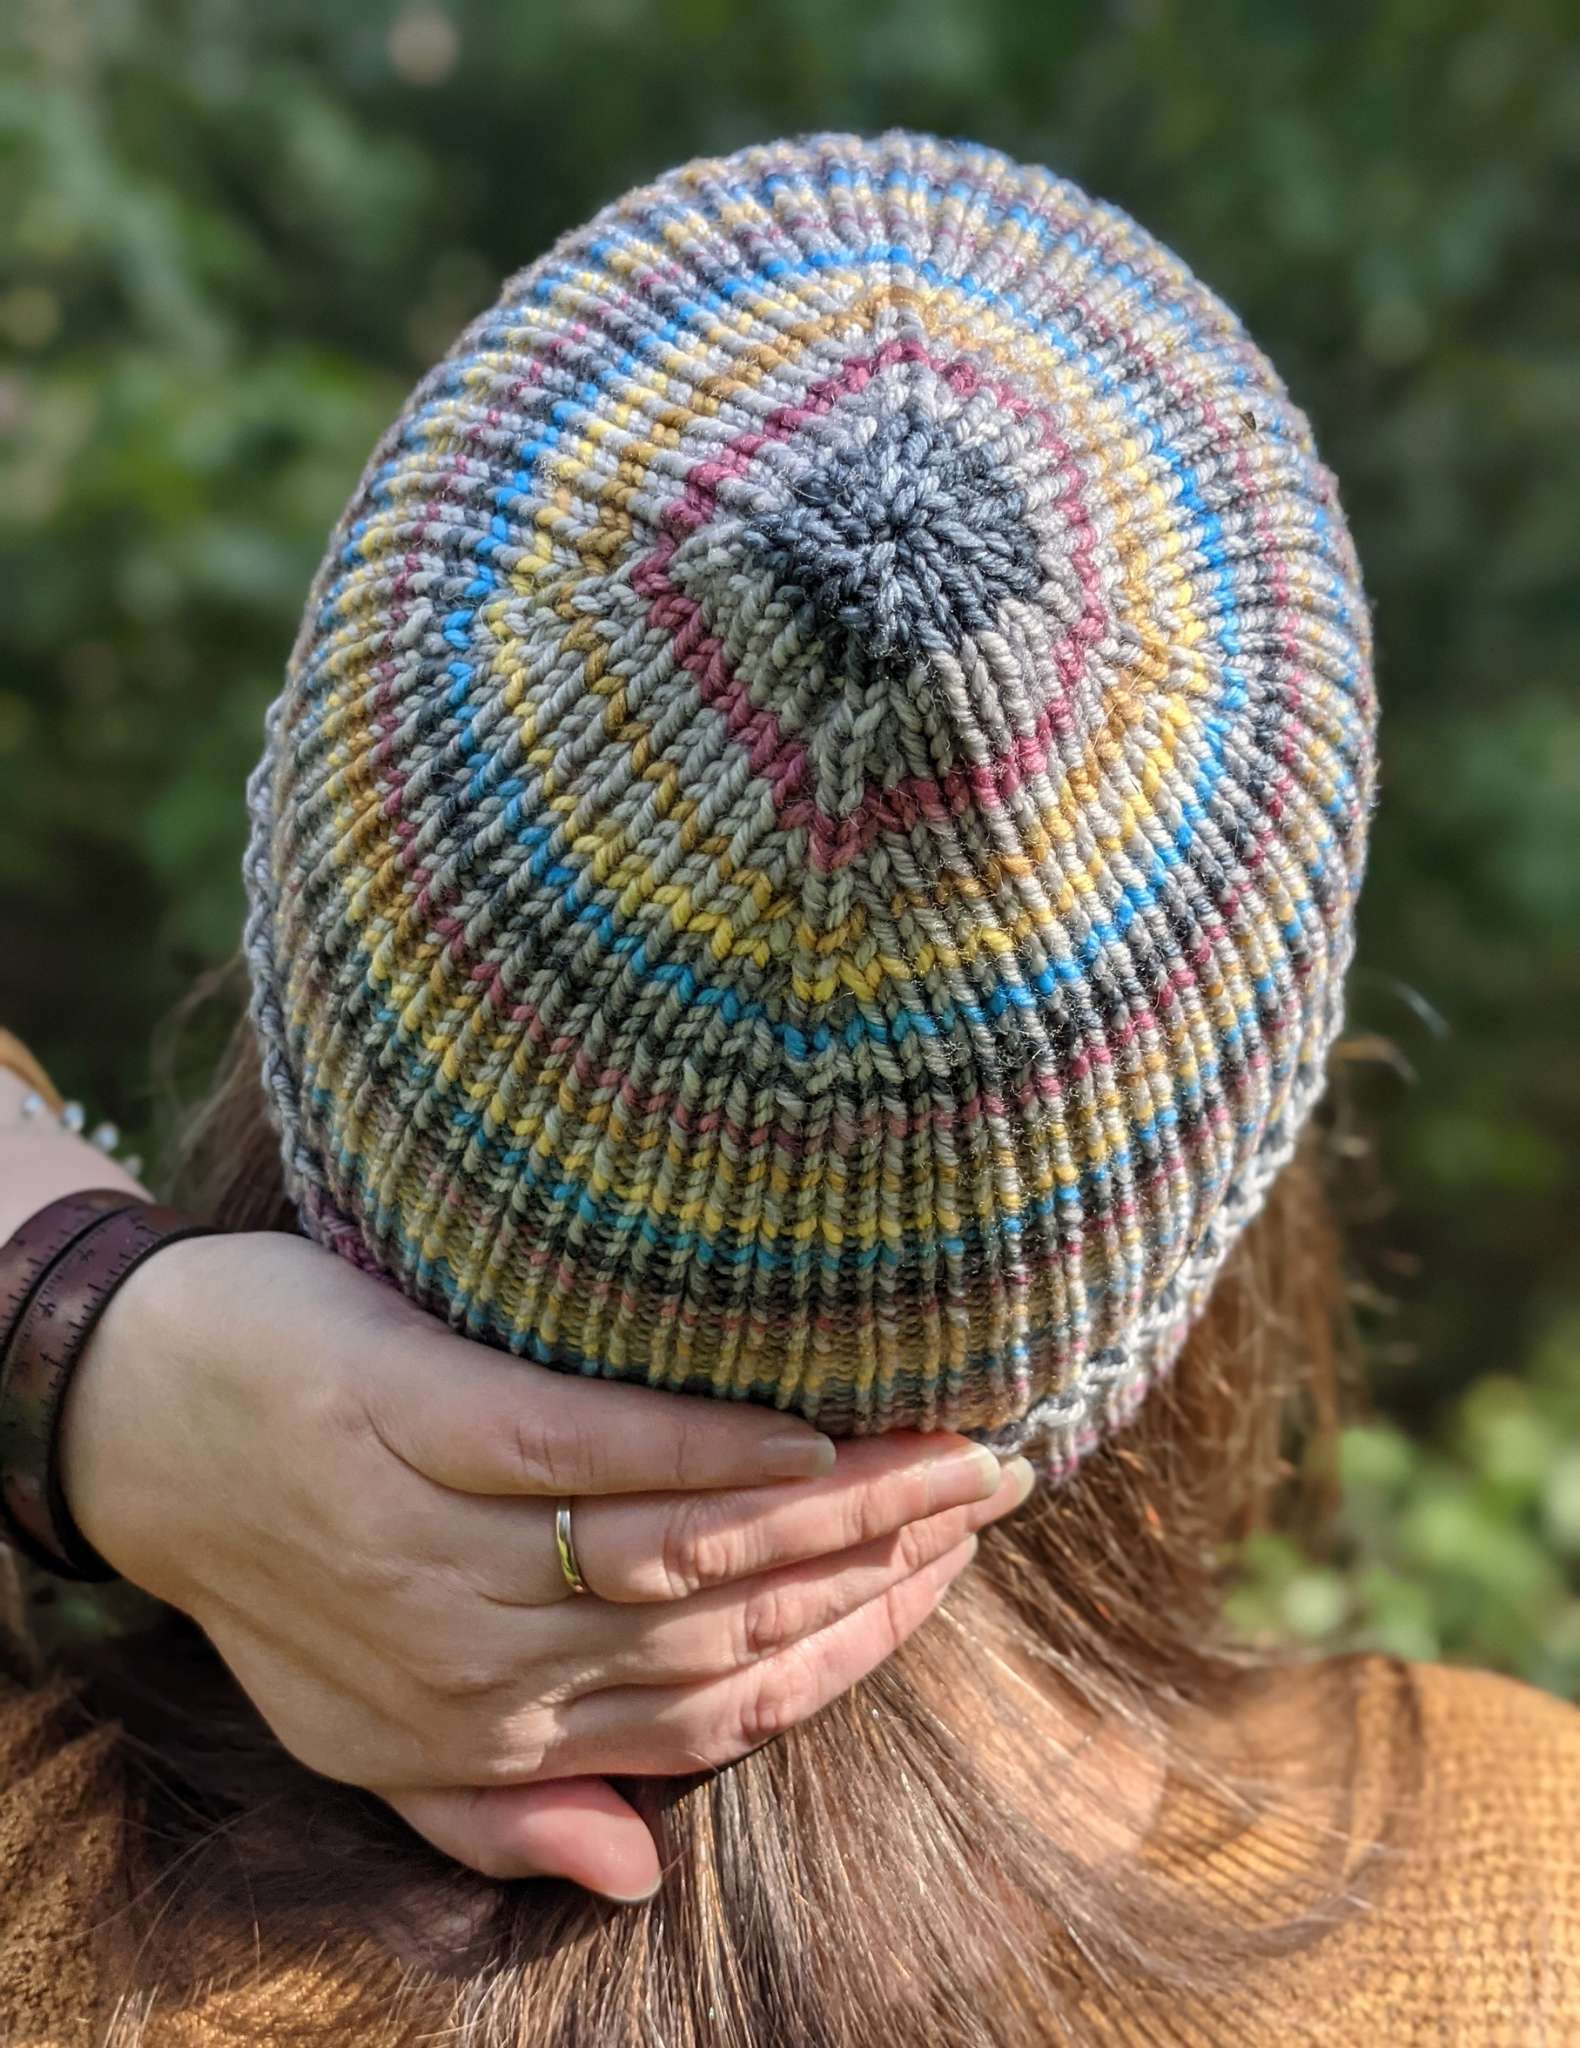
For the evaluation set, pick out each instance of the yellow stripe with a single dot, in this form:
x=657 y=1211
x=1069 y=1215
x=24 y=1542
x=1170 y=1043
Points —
x=625 y=867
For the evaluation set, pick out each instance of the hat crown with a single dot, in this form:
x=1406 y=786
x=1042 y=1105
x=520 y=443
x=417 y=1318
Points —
x=901 y=541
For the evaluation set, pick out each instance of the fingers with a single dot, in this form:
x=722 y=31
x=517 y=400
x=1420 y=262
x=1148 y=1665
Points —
x=581 y=1829
x=478 y=1422
x=459 y=1709
x=578 y=1828
x=668 y=1546
x=738 y=1625
x=669 y=1731
x=483 y=1726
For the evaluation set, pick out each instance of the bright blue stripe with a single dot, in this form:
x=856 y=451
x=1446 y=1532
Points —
x=609 y=1214
x=902 y=1022
x=1018 y=993
x=1133 y=901
x=593 y=389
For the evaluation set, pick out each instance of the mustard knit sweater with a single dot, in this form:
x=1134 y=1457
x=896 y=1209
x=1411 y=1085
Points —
x=1473 y=1937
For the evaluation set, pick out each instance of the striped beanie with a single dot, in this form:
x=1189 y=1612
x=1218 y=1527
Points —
x=808 y=848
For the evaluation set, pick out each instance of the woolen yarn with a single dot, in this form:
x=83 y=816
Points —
x=808 y=849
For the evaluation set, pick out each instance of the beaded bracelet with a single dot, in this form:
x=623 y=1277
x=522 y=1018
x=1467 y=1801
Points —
x=42 y=1099
x=71 y=1117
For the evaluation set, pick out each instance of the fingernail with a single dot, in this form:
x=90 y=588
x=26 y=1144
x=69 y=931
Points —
x=1024 y=1474
x=799 y=1454
x=962 y=1476
x=637 y=1898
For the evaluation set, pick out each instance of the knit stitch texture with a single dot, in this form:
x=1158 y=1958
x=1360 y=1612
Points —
x=808 y=849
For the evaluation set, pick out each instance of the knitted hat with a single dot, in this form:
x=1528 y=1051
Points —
x=807 y=851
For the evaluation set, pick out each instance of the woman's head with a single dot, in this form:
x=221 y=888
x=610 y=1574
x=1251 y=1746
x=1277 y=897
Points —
x=807 y=853
x=808 y=849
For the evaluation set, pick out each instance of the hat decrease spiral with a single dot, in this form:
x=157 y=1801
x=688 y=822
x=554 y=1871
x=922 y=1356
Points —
x=808 y=848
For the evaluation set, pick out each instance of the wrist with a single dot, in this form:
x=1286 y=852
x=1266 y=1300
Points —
x=122 y=1438
x=62 y=1269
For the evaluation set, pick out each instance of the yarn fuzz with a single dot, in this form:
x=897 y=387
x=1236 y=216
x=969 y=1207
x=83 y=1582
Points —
x=808 y=848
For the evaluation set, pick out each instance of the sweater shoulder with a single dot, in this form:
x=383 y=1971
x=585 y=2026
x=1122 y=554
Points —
x=1467 y=1926
x=1500 y=1805
x=1479 y=1724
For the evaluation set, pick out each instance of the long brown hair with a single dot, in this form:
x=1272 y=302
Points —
x=1021 y=1829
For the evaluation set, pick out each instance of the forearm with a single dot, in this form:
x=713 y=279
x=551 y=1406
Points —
x=39 y=1161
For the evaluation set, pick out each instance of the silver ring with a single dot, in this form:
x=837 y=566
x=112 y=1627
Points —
x=565 y=1544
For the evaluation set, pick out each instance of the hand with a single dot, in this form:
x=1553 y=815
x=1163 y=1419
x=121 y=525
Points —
x=357 y=1507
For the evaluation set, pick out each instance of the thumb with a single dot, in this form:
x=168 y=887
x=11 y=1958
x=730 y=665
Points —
x=577 y=1828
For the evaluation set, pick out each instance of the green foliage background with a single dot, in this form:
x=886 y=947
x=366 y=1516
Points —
x=234 y=233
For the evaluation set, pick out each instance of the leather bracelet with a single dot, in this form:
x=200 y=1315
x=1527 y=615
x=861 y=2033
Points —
x=34 y=1246
x=47 y=1337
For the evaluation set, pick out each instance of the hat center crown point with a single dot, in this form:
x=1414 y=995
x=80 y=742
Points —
x=901 y=540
